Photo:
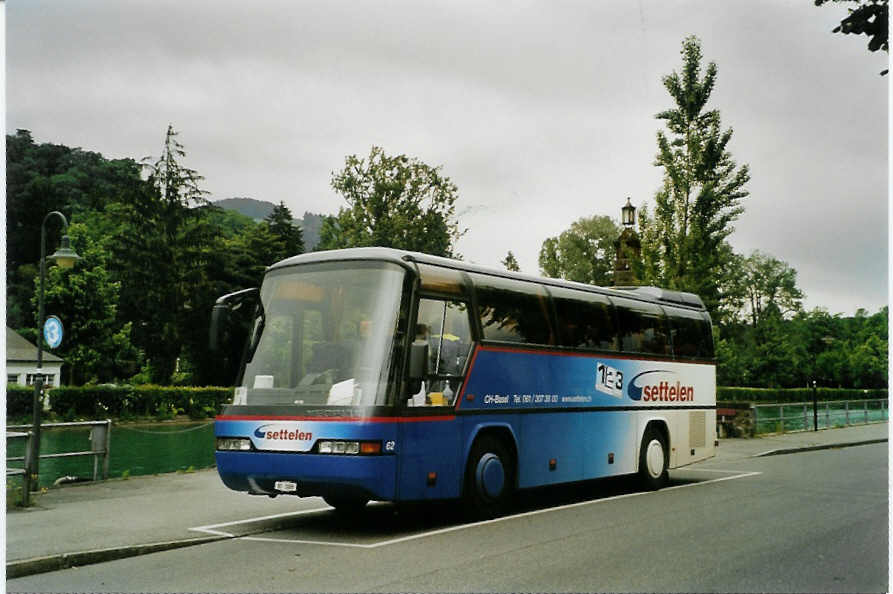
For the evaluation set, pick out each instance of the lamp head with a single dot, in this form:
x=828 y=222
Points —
x=628 y=212
x=65 y=257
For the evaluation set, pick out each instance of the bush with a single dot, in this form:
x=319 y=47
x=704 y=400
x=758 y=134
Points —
x=100 y=402
x=724 y=394
x=19 y=401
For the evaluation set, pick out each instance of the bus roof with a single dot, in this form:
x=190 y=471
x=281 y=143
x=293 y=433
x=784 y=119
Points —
x=404 y=258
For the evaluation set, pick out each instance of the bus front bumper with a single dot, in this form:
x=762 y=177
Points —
x=366 y=477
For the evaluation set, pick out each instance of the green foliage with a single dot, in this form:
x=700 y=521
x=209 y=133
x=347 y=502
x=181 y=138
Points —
x=41 y=178
x=97 y=346
x=228 y=223
x=161 y=253
x=161 y=402
x=392 y=201
x=833 y=351
x=767 y=395
x=287 y=234
x=584 y=253
x=702 y=188
x=19 y=401
x=769 y=287
x=869 y=18
x=511 y=263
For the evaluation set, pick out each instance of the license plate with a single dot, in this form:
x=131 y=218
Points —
x=285 y=486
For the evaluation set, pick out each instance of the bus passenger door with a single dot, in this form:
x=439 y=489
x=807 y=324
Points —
x=431 y=467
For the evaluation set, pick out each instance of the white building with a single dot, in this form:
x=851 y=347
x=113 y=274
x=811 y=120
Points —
x=21 y=362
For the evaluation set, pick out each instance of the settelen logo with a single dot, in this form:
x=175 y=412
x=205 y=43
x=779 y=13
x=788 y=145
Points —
x=274 y=433
x=648 y=386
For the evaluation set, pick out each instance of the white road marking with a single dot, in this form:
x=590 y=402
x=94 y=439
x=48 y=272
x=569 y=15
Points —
x=210 y=528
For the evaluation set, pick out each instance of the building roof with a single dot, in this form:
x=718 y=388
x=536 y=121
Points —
x=19 y=349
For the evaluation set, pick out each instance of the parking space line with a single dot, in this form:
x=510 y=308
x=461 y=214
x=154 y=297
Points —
x=209 y=529
x=393 y=541
x=312 y=542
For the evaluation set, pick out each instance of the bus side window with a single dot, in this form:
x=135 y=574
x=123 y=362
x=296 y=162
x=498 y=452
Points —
x=642 y=327
x=691 y=335
x=585 y=320
x=513 y=311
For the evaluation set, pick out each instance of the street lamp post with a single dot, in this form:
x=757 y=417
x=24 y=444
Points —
x=64 y=257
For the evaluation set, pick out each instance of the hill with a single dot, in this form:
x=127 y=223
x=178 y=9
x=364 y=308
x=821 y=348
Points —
x=260 y=209
x=255 y=209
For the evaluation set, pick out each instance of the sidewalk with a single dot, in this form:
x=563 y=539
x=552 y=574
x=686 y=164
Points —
x=734 y=449
x=95 y=522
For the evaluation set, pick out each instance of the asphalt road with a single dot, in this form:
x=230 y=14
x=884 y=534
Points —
x=805 y=522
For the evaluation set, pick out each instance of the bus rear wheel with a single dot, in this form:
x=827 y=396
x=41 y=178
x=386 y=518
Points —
x=654 y=460
x=489 y=478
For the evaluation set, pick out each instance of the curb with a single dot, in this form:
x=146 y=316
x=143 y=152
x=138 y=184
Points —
x=829 y=446
x=24 y=567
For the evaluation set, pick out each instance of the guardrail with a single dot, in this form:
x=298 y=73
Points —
x=798 y=416
x=25 y=471
x=100 y=446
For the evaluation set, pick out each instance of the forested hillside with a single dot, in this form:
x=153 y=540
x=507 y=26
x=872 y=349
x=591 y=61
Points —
x=155 y=255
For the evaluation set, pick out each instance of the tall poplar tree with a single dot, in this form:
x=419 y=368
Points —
x=702 y=187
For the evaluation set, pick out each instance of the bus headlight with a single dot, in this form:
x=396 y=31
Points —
x=348 y=447
x=233 y=444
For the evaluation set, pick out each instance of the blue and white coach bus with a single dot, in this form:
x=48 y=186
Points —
x=378 y=374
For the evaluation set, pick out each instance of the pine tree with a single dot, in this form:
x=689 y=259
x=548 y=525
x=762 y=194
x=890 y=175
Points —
x=283 y=227
x=162 y=249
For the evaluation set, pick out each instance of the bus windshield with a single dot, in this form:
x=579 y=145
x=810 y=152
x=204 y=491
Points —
x=323 y=334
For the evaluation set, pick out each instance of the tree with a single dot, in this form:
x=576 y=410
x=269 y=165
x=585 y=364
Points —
x=42 y=178
x=97 y=346
x=869 y=18
x=289 y=236
x=511 y=263
x=584 y=253
x=161 y=255
x=770 y=283
x=702 y=187
x=393 y=201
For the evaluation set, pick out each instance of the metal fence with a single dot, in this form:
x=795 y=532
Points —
x=100 y=446
x=25 y=470
x=799 y=416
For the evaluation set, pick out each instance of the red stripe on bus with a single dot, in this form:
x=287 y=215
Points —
x=336 y=419
x=474 y=356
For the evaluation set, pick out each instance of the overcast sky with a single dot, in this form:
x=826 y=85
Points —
x=540 y=112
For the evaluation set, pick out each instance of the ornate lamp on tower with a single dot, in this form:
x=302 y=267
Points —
x=627 y=247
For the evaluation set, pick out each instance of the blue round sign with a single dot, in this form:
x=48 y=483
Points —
x=52 y=331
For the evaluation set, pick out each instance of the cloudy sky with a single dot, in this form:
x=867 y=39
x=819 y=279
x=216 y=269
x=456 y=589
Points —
x=540 y=112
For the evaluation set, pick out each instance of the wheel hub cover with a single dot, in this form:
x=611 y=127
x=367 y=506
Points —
x=490 y=476
x=654 y=457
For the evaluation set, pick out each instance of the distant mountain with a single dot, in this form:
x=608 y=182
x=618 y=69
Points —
x=260 y=209
x=256 y=209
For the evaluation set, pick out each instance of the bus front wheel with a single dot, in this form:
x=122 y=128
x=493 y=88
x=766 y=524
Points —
x=654 y=460
x=489 y=477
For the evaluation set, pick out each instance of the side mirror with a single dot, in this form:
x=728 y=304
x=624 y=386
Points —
x=418 y=359
x=219 y=320
x=221 y=313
